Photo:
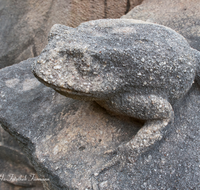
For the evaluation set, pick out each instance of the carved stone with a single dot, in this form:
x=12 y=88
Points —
x=129 y=67
x=68 y=141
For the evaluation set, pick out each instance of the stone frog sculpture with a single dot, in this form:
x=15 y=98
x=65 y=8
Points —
x=129 y=67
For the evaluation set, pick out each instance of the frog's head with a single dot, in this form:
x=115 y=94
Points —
x=73 y=68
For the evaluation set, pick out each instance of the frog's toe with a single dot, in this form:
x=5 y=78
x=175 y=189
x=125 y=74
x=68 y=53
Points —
x=147 y=136
x=119 y=159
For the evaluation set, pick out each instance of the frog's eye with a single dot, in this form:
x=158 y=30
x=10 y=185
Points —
x=82 y=63
x=84 y=68
x=89 y=68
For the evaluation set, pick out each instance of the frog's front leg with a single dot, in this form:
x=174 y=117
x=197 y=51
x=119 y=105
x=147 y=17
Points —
x=147 y=136
x=157 y=112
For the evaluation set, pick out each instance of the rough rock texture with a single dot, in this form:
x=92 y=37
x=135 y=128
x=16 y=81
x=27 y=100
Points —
x=16 y=171
x=69 y=140
x=182 y=16
x=25 y=24
x=115 y=58
x=129 y=67
x=79 y=136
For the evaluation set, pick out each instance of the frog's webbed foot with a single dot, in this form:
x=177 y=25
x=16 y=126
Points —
x=157 y=112
x=147 y=136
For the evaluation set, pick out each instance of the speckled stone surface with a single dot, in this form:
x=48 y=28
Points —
x=68 y=140
x=116 y=58
x=181 y=15
x=129 y=67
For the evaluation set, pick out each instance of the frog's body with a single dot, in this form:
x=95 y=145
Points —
x=129 y=67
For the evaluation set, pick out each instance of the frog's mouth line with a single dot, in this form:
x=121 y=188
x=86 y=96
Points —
x=69 y=91
x=63 y=90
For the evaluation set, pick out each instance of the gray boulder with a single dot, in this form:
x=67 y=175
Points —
x=129 y=67
x=68 y=141
x=182 y=16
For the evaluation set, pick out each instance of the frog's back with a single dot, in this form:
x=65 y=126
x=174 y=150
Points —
x=117 y=55
x=143 y=55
